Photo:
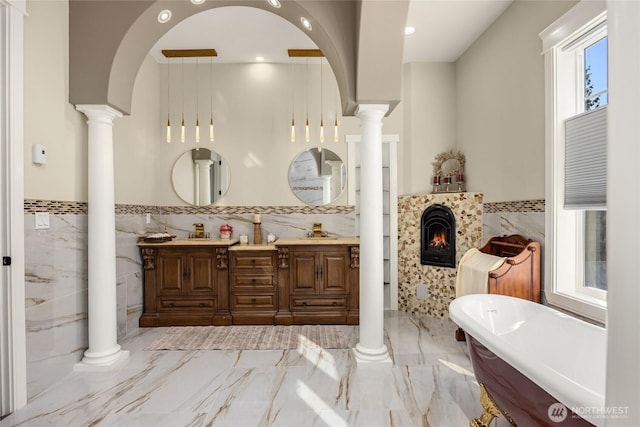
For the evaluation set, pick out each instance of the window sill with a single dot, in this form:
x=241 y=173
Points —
x=580 y=304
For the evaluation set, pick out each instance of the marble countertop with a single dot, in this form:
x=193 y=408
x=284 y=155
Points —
x=318 y=241
x=252 y=247
x=192 y=242
x=304 y=241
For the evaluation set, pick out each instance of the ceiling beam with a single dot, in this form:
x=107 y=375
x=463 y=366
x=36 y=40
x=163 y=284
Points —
x=189 y=53
x=305 y=53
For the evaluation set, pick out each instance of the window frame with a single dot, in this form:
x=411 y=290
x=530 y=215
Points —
x=564 y=92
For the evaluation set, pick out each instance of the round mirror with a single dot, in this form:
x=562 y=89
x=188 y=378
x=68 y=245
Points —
x=200 y=177
x=317 y=176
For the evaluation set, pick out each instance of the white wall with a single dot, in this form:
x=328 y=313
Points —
x=500 y=101
x=136 y=139
x=623 y=203
x=429 y=105
x=48 y=118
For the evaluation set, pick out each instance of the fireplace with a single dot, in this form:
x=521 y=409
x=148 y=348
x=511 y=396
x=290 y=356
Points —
x=438 y=237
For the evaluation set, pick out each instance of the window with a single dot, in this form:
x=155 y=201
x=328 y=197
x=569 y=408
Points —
x=575 y=50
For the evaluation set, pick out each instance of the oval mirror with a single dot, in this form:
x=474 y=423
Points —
x=200 y=177
x=317 y=176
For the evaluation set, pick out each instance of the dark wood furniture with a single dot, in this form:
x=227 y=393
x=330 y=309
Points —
x=253 y=284
x=319 y=283
x=186 y=283
x=213 y=282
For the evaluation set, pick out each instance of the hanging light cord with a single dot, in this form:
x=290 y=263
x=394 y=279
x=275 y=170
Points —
x=321 y=103
x=307 y=136
x=182 y=132
x=168 y=101
x=293 y=123
x=211 y=102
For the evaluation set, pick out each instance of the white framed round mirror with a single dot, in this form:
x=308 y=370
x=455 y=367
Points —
x=200 y=177
x=317 y=176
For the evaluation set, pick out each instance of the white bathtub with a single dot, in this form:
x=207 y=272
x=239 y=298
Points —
x=562 y=355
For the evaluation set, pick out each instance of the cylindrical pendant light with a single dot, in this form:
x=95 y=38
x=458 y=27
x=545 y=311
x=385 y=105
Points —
x=197 y=106
x=321 y=103
x=182 y=132
x=168 y=100
x=293 y=122
x=211 y=103
x=307 y=136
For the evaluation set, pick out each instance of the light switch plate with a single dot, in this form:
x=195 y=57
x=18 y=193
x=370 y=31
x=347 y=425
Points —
x=42 y=220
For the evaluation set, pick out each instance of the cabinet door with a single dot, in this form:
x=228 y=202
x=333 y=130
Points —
x=334 y=277
x=201 y=272
x=171 y=272
x=304 y=272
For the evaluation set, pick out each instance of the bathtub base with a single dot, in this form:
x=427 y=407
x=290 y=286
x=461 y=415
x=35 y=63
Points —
x=491 y=411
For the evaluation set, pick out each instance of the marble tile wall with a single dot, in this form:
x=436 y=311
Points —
x=56 y=268
x=467 y=209
x=526 y=218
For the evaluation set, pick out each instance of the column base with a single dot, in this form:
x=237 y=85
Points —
x=101 y=362
x=378 y=356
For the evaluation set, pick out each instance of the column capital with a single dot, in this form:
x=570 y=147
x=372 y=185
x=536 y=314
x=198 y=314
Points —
x=99 y=112
x=371 y=111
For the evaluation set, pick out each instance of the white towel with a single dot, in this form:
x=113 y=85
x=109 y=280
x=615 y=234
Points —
x=473 y=272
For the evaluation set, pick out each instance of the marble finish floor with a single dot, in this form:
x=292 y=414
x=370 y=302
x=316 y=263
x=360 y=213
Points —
x=429 y=384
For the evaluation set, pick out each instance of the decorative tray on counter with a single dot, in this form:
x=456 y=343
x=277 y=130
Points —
x=157 y=238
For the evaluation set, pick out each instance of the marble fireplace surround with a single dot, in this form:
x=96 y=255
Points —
x=467 y=209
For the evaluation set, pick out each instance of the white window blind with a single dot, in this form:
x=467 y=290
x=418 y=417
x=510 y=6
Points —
x=585 y=183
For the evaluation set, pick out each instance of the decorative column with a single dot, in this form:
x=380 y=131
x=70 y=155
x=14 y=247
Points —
x=104 y=350
x=203 y=181
x=371 y=347
x=326 y=189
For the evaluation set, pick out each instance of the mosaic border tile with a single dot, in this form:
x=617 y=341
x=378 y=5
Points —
x=81 y=208
x=519 y=206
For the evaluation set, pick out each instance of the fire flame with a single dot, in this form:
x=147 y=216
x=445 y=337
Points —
x=439 y=239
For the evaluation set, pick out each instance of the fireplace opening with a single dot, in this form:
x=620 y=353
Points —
x=438 y=237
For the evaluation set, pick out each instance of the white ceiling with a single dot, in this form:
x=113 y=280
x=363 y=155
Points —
x=444 y=30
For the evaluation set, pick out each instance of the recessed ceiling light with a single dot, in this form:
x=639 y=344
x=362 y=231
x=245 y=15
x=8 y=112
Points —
x=275 y=3
x=197 y=1
x=409 y=30
x=305 y=23
x=164 y=16
x=259 y=58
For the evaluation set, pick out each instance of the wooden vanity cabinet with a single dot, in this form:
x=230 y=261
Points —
x=253 y=286
x=185 y=285
x=323 y=283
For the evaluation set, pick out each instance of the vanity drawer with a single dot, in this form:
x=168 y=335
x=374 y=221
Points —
x=318 y=303
x=249 y=282
x=253 y=301
x=253 y=260
x=180 y=304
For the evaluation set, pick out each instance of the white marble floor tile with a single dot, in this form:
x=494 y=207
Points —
x=429 y=384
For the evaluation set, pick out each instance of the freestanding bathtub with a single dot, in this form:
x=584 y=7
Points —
x=535 y=365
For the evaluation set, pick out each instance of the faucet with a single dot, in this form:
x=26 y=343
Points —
x=317 y=229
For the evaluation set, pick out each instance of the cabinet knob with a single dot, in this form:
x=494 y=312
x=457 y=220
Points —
x=201 y=304
x=253 y=261
x=304 y=303
x=171 y=304
x=253 y=300
x=335 y=303
x=253 y=280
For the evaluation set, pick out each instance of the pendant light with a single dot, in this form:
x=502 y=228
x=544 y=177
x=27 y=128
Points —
x=336 y=137
x=182 y=132
x=321 y=103
x=168 y=100
x=211 y=102
x=307 y=137
x=293 y=123
x=197 y=107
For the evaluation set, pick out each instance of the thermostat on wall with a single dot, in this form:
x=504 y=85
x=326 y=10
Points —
x=38 y=154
